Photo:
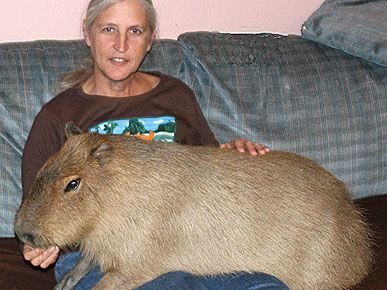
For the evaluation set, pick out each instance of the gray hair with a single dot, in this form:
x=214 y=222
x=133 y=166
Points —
x=95 y=8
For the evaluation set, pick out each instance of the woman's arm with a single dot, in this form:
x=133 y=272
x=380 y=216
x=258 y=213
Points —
x=43 y=141
x=46 y=137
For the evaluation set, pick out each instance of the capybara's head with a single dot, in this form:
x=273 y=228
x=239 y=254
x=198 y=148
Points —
x=62 y=205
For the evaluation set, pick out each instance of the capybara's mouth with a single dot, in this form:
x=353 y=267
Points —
x=35 y=240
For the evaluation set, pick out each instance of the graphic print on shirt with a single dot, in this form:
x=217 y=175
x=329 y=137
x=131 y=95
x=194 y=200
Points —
x=161 y=128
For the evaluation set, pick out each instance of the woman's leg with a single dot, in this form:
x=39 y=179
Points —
x=68 y=261
x=238 y=281
x=178 y=280
x=245 y=281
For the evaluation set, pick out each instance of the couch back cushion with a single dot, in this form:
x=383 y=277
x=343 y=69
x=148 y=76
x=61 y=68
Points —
x=293 y=94
x=28 y=74
x=357 y=27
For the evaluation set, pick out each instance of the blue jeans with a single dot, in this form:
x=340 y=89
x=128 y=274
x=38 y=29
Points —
x=178 y=280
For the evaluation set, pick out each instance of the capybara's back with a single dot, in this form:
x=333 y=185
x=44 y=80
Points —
x=167 y=207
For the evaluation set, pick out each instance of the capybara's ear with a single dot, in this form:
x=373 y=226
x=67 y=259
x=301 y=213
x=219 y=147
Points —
x=72 y=130
x=102 y=153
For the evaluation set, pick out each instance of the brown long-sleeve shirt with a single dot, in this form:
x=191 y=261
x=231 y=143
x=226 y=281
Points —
x=172 y=105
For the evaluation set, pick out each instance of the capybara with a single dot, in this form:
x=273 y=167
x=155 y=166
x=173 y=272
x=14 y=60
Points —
x=140 y=209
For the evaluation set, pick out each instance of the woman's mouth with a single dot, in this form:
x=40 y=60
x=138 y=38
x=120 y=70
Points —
x=118 y=60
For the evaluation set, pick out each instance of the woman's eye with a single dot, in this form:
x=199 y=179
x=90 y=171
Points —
x=136 y=31
x=73 y=185
x=108 y=29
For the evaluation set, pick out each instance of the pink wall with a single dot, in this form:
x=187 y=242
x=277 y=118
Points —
x=57 y=19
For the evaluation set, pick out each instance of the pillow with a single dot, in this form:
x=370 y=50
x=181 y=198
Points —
x=358 y=27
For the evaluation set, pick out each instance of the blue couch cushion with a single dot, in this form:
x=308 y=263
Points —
x=358 y=27
x=28 y=75
x=27 y=80
x=295 y=95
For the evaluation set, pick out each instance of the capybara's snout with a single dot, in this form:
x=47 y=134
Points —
x=24 y=234
x=28 y=238
x=27 y=231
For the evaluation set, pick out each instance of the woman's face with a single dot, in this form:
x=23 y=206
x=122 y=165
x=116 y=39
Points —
x=119 y=39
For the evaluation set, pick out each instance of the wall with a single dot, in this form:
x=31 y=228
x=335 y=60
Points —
x=58 y=19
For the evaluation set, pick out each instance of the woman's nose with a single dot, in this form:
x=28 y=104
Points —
x=121 y=43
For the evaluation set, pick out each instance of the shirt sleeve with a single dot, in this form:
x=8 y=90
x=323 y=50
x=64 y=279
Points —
x=45 y=139
x=196 y=130
x=204 y=135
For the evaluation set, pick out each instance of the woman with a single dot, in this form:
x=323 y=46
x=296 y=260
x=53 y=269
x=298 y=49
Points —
x=110 y=97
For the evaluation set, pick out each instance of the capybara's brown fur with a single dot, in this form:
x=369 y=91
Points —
x=141 y=209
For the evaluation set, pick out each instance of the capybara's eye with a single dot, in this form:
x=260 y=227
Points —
x=73 y=185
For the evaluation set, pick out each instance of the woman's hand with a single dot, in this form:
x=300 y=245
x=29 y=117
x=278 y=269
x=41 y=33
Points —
x=243 y=145
x=39 y=257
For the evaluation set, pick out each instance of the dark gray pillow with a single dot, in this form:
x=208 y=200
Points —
x=358 y=27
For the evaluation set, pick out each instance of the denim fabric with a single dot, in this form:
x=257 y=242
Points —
x=178 y=280
x=357 y=27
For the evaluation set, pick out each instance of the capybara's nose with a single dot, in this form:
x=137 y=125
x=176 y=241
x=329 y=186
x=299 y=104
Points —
x=28 y=238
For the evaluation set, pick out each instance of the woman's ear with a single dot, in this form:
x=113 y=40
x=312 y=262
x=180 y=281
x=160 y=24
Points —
x=152 y=39
x=86 y=33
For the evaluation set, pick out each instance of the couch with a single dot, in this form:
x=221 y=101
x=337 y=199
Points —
x=295 y=93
